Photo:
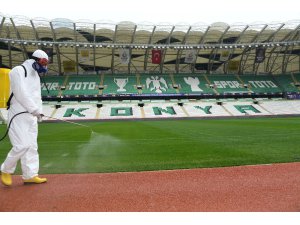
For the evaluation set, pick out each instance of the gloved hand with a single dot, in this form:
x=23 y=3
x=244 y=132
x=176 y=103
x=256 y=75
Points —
x=36 y=113
x=40 y=117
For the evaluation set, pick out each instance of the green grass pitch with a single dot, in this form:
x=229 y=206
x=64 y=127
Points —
x=164 y=144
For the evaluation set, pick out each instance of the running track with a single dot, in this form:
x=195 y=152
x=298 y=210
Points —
x=271 y=188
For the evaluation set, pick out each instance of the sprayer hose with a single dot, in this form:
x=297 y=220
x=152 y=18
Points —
x=10 y=124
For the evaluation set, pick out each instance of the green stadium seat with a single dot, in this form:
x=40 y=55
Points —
x=287 y=83
x=53 y=83
x=297 y=78
x=163 y=84
x=125 y=84
x=192 y=84
x=156 y=84
x=82 y=85
x=227 y=84
x=261 y=83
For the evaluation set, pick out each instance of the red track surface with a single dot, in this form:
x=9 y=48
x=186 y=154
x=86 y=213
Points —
x=246 y=188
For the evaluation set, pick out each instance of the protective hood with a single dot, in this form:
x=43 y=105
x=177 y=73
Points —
x=40 y=54
x=41 y=61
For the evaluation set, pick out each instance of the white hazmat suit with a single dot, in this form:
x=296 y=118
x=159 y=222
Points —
x=23 y=131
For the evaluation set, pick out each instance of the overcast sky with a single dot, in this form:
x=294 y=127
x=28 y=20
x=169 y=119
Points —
x=155 y=11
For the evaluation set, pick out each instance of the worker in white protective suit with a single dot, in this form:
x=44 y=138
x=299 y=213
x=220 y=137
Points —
x=25 y=97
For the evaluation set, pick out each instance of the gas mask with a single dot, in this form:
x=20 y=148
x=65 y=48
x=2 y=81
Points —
x=40 y=65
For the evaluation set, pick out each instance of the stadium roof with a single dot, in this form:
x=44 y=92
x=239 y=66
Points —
x=85 y=46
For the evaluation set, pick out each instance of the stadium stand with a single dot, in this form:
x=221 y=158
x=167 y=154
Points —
x=205 y=109
x=200 y=70
x=120 y=111
x=296 y=79
x=282 y=107
x=244 y=109
x=125 y=84
x=199 y=86
x=261 y=83
x=227 y=84
x=82 y=85
x=156 y=84
x=192 y=84
x=287 y=83
x=54 y=84
x=168 y=109
x=76 y=111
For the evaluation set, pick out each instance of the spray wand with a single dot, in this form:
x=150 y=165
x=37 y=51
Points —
x=78 y=124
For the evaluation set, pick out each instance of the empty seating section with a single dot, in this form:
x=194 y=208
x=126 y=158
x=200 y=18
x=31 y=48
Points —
x=206 y=109
x=297 y=75
x=166 y=109
x=156 y=84
x=261 y=83
x=82 y=85
x=297 y=78
x=240 y=108
x=227 y=84
x=192 y=84
x=53 y=84
x=163 y=84
x=125 y=84
x=120 y=111
x=282 y=107
x=287 y=83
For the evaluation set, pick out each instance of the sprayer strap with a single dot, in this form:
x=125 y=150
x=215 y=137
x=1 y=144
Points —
x=8 y=102
x=24 y=70
x=12 y=94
